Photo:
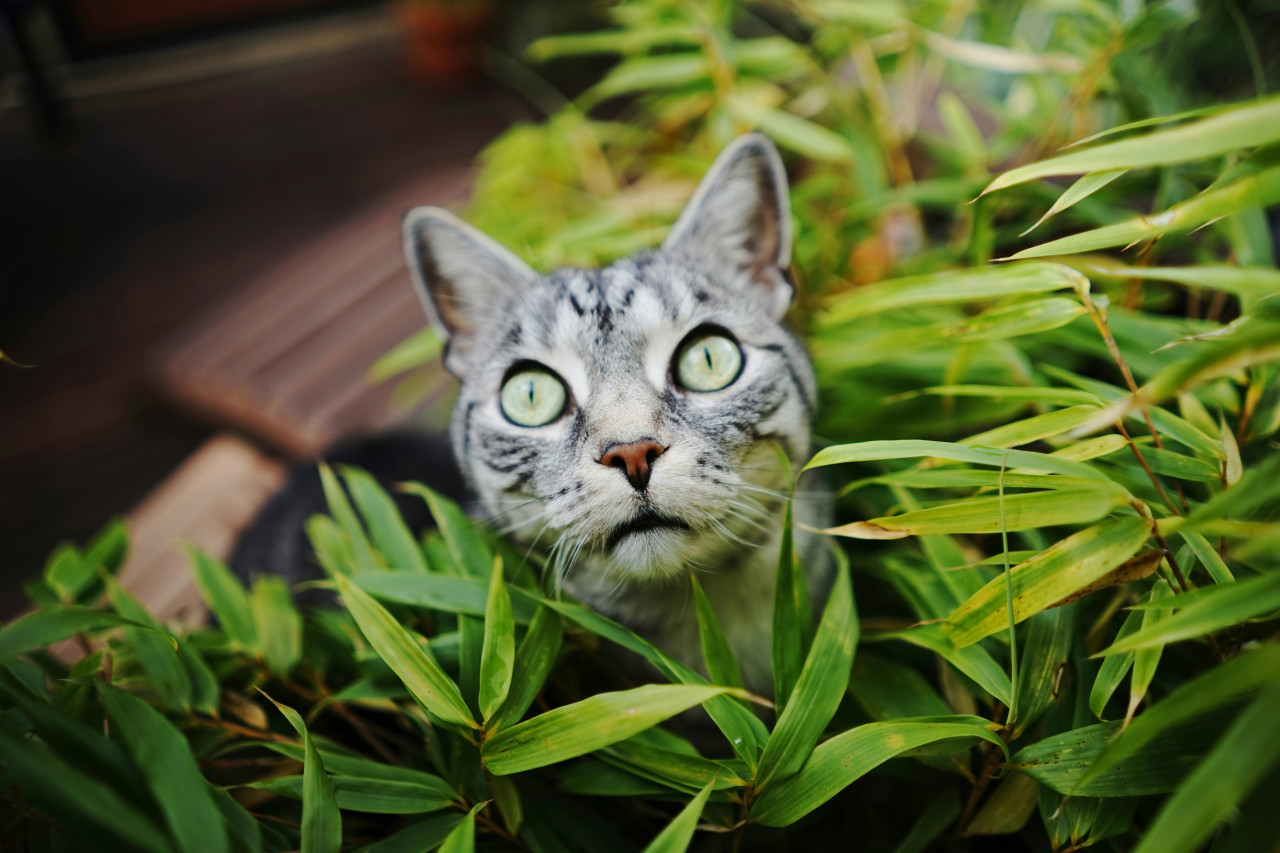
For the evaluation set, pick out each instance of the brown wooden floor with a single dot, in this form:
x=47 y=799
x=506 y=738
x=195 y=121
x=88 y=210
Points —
x=161 y=207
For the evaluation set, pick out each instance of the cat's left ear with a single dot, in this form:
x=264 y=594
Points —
x=461 y=275
x=739 y=221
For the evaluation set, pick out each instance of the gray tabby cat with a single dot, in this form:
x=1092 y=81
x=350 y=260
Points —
x=630 y=415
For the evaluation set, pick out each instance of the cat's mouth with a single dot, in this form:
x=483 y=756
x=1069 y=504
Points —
x=646 y=520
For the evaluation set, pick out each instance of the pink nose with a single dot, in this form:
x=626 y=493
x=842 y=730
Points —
x=635 y=459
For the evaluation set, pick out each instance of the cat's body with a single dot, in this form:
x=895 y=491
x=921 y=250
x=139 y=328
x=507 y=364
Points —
x=631 y=419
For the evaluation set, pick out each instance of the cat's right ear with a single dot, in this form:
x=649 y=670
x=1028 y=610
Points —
x=461 y=275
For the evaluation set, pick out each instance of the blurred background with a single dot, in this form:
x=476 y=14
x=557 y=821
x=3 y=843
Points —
x=200 y=270
x=170 y=169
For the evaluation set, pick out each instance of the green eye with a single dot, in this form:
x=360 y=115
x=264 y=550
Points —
x=709 y=362
x=532 y=397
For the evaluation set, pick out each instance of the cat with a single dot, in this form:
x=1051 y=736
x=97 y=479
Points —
x=631 y=417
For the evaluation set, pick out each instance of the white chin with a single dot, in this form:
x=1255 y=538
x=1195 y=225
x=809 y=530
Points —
x=652 y=555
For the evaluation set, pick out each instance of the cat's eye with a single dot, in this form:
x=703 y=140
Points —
x=708 y=361
x=532 y=396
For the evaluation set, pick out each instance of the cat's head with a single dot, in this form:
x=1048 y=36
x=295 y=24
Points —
x=631 y=412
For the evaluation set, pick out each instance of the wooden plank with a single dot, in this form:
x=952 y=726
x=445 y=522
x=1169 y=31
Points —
x=205 y=502
x=286 y=361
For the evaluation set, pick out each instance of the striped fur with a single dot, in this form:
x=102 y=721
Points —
x=611 y=335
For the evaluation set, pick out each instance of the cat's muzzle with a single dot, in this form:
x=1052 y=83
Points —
x=647 y=520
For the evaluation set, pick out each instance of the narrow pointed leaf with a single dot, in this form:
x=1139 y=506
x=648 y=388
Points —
x=381 y=517
x=818 y=691
x=321 y=820
x=1245 y=126
x=1219 y=686
x=356 y=541
x=466 y=545
x=1212 y=610
x=950 y=287
x=164 y=757
x=572 y=730
x=376 y=796
x=42 y=627
x=433 y=689
x=1048 y=577
x=676 y=836
x=226 y=598
x=1259 y=190
x=533 y=662
x=277 y=623
x=1114 y=667
x=973 y=660
x=497 y=656
x=872 y=451
x=786 y=652
x=1245 y=754
x=45 y=779
x=722 y=665
x=1086 y=186
x=843 y=759
x=1044 y=653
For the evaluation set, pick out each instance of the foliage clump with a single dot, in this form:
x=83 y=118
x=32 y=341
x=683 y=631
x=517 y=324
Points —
x=1058 y=480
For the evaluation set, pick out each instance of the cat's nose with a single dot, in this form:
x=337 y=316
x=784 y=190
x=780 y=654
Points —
x=635 y=459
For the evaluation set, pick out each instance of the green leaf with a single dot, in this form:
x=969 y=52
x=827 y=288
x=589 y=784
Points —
x=889 y=690
x=1113 y=668
x=1244 y=755
x=1219 y=686
x=321 y=820
x=381 y=516
x=463 y=837
x=623 y=41
x=377 y=796
x=743 y=729
x=1047 y=578
x=972 y=660
x=417 y=350
x=950 y=287
x=45 y=780
x=42 y=627
x=585 y=726
x=424 y=835
x=1007 y=809
x=871 y=451
x=845 y=758
x=818 y=691
x=722 y=665
x=791 y=131
x=1146 y=660
x=786 y=651
x=277 y=623
x=647 y=73
x=469 y=596
x=991 y=515
x=533 y=662
x=1044 y=652
x=841 y=351
x=471 y=555
x=1257 y=190
x=357 y=544
x=434 y=690
x=1063 y=762
x=676 y=836
x=164 y=757
x=340 y=764
x=1212 y=609
x=1086 y=186
x=68 y=736
x=498 y=655
x=168 y=675
x=1245 y=126
x=226 y=599
x=1208 y=557
x=682 y=771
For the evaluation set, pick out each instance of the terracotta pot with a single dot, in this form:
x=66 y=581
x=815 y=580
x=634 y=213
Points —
x=444 y=39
